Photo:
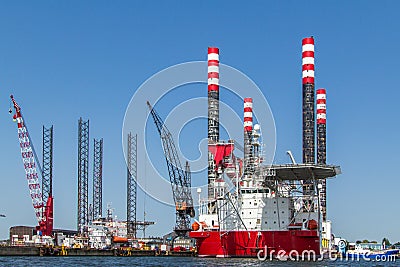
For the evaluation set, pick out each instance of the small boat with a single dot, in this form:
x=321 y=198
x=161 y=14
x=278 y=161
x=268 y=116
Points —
x=381 y=255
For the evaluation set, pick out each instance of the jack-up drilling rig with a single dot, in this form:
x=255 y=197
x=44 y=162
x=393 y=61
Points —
x=43 y=212
x=180 y=178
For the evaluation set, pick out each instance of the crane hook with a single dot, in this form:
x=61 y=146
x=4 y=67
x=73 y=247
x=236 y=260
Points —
x=10 y=109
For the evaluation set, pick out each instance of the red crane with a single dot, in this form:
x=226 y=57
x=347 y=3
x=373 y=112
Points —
x=44 y=213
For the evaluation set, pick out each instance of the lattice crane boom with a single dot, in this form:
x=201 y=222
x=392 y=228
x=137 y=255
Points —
x=179 y=178
x=44 y=214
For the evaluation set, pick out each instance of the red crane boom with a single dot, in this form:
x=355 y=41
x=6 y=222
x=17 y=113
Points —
x=44 y=213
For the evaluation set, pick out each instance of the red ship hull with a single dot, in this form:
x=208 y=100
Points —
x=249 y=243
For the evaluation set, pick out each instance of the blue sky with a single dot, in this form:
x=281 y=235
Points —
x=67 y=59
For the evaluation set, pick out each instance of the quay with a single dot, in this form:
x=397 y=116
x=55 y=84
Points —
x=70 y=252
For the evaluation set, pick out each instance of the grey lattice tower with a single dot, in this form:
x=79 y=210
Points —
x=213 y=113
x=248 y=130
x=187 y=186
x=90 y=213
x=308 y=108
x=97 y=178
x=47 y=164
x=83 y=175
x=308 y=101
x=131 y=159
x=321 y=143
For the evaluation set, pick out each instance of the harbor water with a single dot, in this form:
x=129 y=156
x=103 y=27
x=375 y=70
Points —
x=171 y=261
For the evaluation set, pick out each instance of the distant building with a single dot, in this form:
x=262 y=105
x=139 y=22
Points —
x=19 y=235
x=372 y=246
x=23 y=235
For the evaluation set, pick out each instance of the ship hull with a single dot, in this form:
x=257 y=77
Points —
x=249 y=243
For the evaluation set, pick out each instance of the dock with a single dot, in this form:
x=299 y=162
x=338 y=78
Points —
x=60 y=251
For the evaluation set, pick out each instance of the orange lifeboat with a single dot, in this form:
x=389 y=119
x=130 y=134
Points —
x=118 y=239
x=195 y=226
x=312 y=225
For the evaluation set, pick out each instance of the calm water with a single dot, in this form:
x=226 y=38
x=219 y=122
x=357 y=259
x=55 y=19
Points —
x=166 y=261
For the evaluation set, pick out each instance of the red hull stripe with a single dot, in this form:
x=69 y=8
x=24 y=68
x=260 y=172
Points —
x=248 y=243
